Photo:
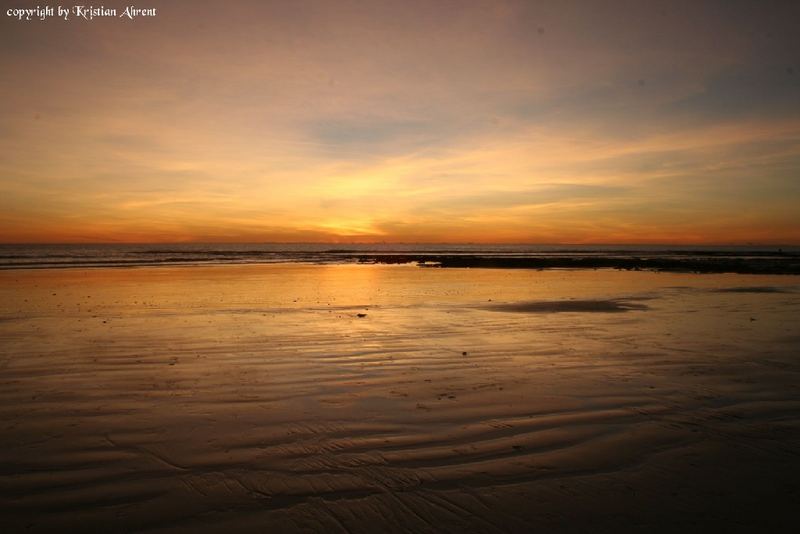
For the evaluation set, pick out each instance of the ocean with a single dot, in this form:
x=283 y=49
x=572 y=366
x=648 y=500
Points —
x=16 y=256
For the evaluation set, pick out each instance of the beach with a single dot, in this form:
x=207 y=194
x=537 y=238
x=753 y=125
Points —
x=364 y=397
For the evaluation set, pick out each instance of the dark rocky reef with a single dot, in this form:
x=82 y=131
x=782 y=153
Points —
x=712 y=263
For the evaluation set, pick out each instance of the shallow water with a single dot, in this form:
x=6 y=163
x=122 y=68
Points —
x=256 y=398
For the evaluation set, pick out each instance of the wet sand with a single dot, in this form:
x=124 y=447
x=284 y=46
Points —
x=357 y=398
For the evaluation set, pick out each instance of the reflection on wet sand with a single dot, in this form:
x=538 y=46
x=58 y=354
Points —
x=352 y=397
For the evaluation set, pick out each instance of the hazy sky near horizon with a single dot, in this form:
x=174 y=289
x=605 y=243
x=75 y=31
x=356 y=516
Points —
x=462 y=121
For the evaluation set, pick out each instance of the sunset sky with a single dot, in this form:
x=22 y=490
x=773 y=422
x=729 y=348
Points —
x=404 y=121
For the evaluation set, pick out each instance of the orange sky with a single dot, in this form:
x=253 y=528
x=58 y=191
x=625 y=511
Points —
x=429 y=121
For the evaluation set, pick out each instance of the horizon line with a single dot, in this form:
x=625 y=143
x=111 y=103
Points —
x=450 y=243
